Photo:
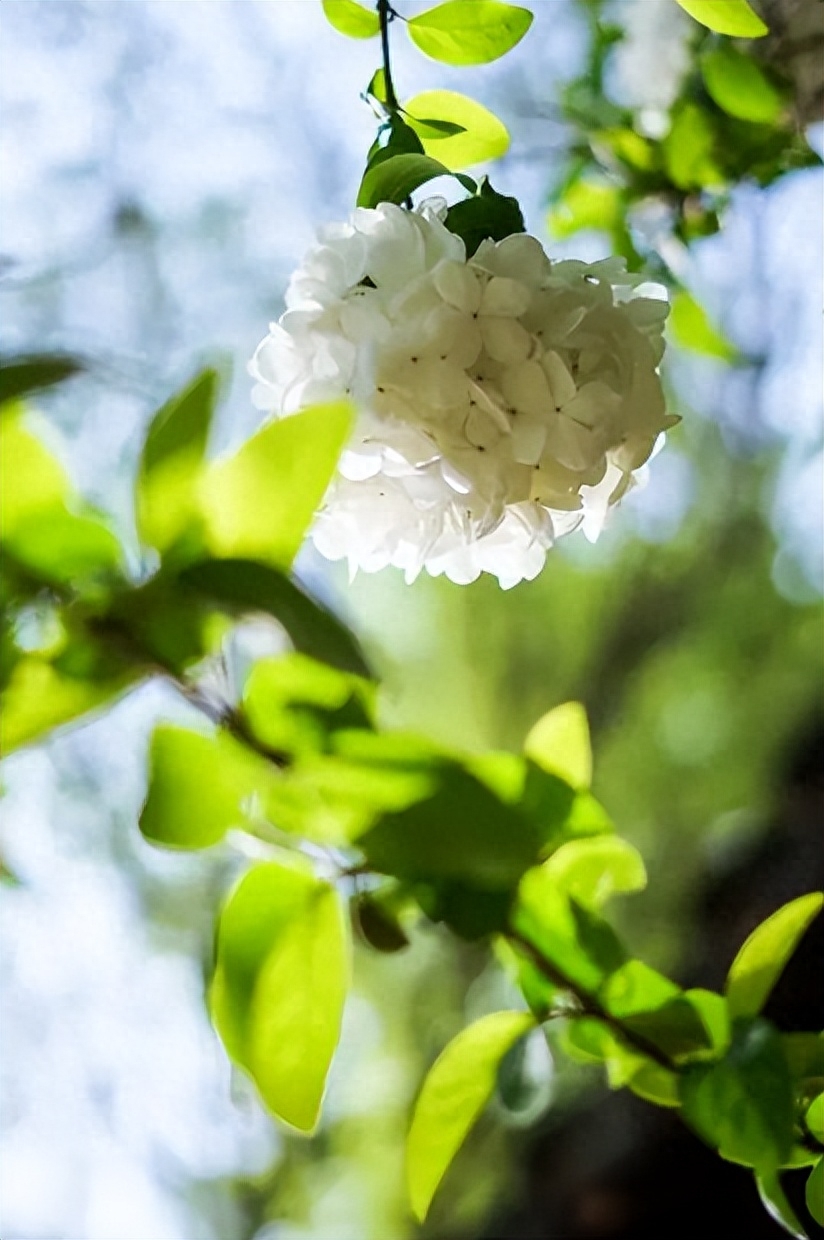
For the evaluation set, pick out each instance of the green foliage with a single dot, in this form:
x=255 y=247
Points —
x=20 y=376
x=691 y=328
x=280 y=981
x=244 y=587
x=454 y=1093
x=294 y=704
x=559 y=743
x=477 y=134
x=733 y=17
x=592 y=870
x=776 y=1204
x=258 y=503
x=200 y=786
x=743 y=1106
x=469 y=32
x=352 y=19
x=814 y=1193
x=762 y=959
x=487 y=214
x=814 y=1118
x=172 y=462
x=393 y=180
x=740 y=86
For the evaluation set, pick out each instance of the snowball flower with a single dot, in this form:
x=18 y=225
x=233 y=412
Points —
x=502 y=401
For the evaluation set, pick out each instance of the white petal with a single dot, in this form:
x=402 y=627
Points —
x=505 y=340
x=506 y=298
x=458 y=285
x=528 y=439
x=526 y=389
x=561 y=383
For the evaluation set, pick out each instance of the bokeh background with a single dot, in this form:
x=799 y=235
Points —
x=165 y=164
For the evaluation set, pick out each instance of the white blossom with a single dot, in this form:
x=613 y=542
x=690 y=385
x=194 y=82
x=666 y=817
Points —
x=503 y=401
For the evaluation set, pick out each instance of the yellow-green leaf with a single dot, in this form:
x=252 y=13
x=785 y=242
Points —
x=692 y=329
x=559 y=743
x=352 y=19
x=776 y=1204
x=740 y=86
x=762 y=959
x=484 y=136
x=732 y=17
x=259 y=503
x=815 y=1192
x=592 y=870
x=296 y=1010
x=469 y=32
x=40 y=697
x=454 y=1093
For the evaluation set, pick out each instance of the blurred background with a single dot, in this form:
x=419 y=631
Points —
x=165 y=165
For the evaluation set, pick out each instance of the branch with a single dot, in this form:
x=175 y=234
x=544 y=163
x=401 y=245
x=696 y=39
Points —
x=386 y=13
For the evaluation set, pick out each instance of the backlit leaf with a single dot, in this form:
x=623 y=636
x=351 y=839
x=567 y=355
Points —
x=692 y=329
x=559 y=743
x=593 y=870
x=814 y=1118
x=776 y=1204
x=172 y=460
x=39 y=696
x=394 y=179
x=764 y=955
x=732 y=17
x=469 y=32
x=352 y=19
x=260 y=502
x=481 y=135
x=454 y=1093
x=740 y=86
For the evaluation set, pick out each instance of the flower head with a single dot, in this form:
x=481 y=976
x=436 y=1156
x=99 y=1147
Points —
x=503 y=400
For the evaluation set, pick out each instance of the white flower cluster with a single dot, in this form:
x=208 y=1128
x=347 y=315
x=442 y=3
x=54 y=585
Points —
x=503 y=401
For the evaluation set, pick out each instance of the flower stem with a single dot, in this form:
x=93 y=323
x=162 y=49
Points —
x=386 y=13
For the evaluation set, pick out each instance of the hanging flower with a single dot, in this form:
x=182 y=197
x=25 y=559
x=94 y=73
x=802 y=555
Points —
x=503 y=401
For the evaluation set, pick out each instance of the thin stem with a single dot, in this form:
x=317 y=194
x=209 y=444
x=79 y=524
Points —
x=590 y=1005
x=386 y=13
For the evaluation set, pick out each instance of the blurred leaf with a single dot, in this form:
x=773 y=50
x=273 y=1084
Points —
x=379 y=925
x=40 y=696
x=454 y=1093
x=260 y=502
x=578 y=944
x=776 y=1204
x=377 y=86
x=593 y=870
x=693 y=330
x=814 y=1118
x=805 y=1055
x=814 y=1192
x=762 y=959
x=469 y=32
x=21 y=375
x=486 y=215
x=37 y=525
x=461 y=832
x=732 y=17
x=740 y=86
x=172 y=461
x=246 y=587
x=352 y=19
x=584 y=204
x=200 y=786
x=293 y=704
x=280 y=981
x=296 y=1010
x=690 y=149
x=743 y=1106
x=559 y=743
x=393 y=180
x=480 y=135
x=654 y=1084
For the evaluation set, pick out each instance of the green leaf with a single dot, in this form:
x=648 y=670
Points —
x=584 y=204
x=352 y=19
x=293 y=704
x=38 y=526
x=40 y=696
x=172 y=461
x=487 y=215
x=469 y=32
x=762 y=959
x=280 y=981
x=732 y=17
x=394 y=179
x=200 y=786
x=805 y=1055
x=690 y=149
x=377 y=86
x=478 y=135
x=559 y=743
x=297 y=1008
x=693 y=330
x=740 y=86
x=379 y=925
x=743 y=1105
x=814 y=1192
x=21 y=375
x=245 y=586
x=461 y=832
x=429 y=127
x=259 y=503
x=454 y=1093
x=814 y=1118
x=776 y=1204
x=577 y=943
x=593 y=870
